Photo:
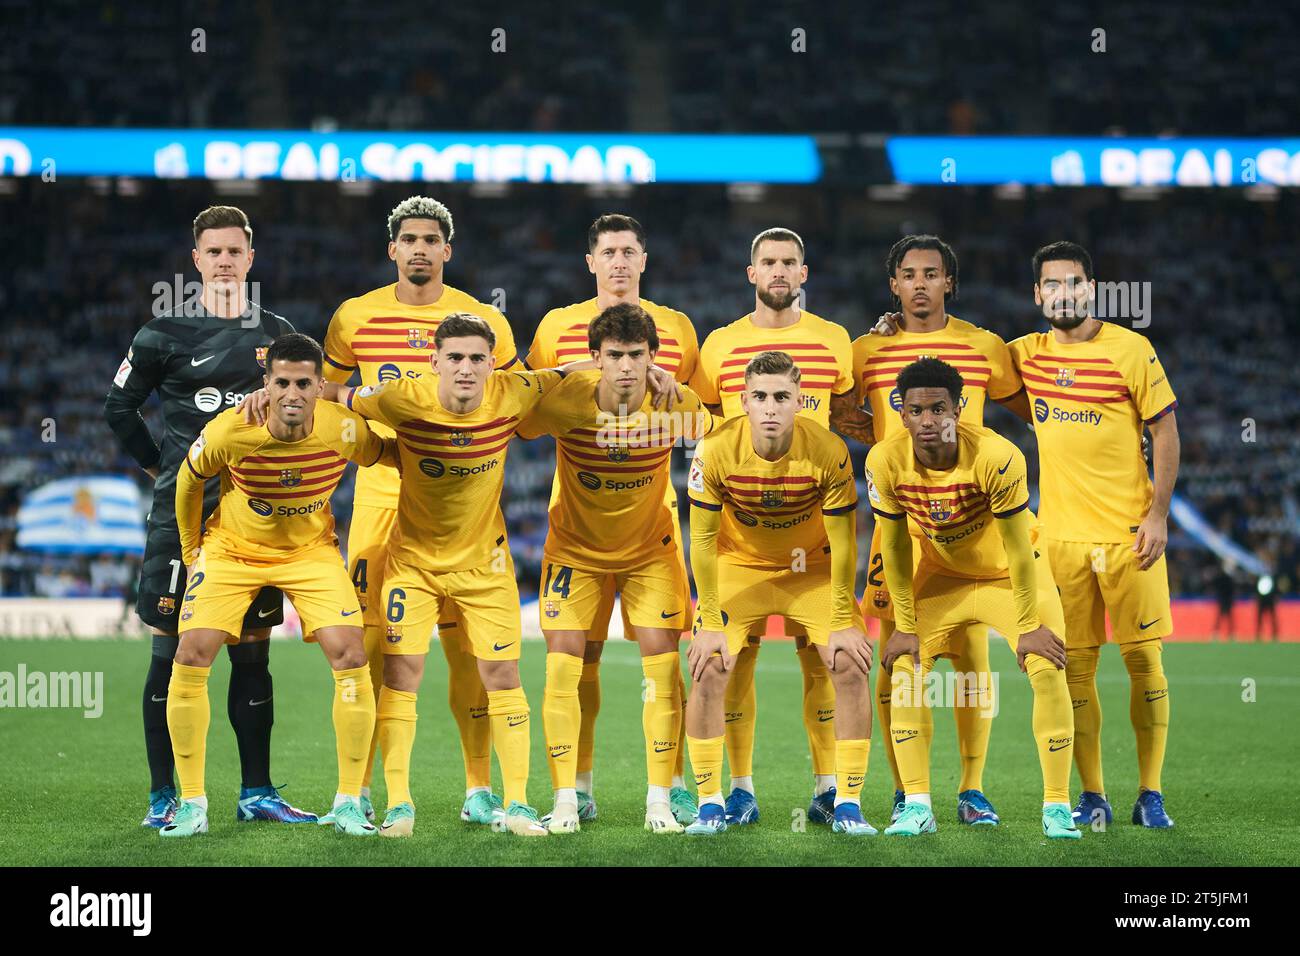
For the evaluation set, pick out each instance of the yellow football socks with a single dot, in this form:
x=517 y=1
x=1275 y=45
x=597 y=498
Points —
x=508 y=712
x=974 y=714
x=396 y=719
x=850 y=769
x=679 y=694
x=562 y=718
x=884 y=692
x=912 y=728
x=188 y=716
x=1148 y=708
x=375 y=659
x=661 y=716
x=1053 y=727
x=818 y=710
x=741 y=705
x=589 y=701
x=1081 y=674
x=706 y=764
x=469 y=705
x=354 y=725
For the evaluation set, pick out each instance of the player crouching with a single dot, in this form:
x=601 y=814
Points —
x=759 y=547
x=272 y=528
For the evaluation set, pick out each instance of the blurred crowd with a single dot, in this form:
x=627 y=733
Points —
x=83 y=259
x=921 y=66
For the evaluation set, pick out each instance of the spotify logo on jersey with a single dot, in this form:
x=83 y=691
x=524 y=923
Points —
x=261 y=507
x=432 y=467
x=388 y=373
x=1040 y=409
x=895 y=400
x=748 y=520
x=207 y=399
x=589 y=481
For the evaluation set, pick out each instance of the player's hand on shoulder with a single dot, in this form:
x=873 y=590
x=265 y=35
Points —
x=1044 y=643
x=851 y=420
x=900 y=643
x=665 y=391
x=255 y=405
x=853 y=645
x=704 y=644
x=887 y=324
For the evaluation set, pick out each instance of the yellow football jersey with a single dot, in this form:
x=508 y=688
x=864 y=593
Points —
x=275 y=495
x=953 y=509
x=771 y=510
x=562 y=338
x=389 y=340
x=453 y=466
x=1090 y=401
x=981 y=357
x=612 y=472
x=820 y=348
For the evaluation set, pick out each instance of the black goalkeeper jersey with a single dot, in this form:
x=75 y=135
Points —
x=200 y=364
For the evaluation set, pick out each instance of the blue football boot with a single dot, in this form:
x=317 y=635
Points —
x=265 y=803
x=974 y=809
x=742 y=808
x=1089 y=806
x=1149 y=811
x=163 y=805
x=822 y=808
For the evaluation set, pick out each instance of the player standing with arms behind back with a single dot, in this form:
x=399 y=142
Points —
x=1094 y=385
x=387 y=334
x=616 y=256
x=200 y=356
x=823 y=354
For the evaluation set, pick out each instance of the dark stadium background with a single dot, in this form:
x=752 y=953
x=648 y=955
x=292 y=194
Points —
x=80 y=256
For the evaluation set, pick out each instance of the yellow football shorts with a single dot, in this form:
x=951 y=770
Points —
x=748 y=596
x=223 y=586
x=1097 y=580
x=655 y=594
x=876 y=601
x=946 y=606
x=367 y=549
x=413 y=599
x=599 y=630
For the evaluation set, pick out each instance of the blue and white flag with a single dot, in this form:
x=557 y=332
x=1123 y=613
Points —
x=93 y=513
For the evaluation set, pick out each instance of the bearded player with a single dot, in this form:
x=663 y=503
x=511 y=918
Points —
x=616 y=256
x=822 y=353
x=1094 y=386
x=772 y=532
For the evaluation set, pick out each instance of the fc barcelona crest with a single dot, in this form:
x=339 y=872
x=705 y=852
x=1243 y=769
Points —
x=166 y=605
x=880 y=598
x=289 y=477
x=261 y=355
x=772 y=498
x=1064 y=377
x=618 y=453
x=394 y=633
x=552 y=610
x=461 y=439
x=940 y=509
x=188 y=612
x=417 y=338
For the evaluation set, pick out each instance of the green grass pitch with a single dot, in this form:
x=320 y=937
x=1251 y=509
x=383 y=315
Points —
x=73 y=788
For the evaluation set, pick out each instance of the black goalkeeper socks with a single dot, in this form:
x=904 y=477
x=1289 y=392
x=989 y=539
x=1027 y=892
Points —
x=252 y=710
x=157 y=739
